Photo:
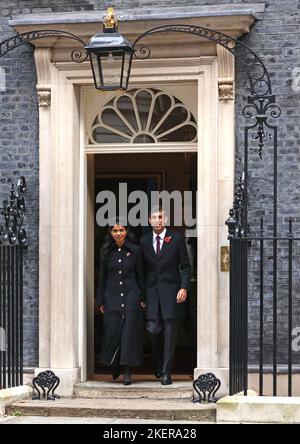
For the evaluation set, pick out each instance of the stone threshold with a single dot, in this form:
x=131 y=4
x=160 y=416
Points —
x=137 y=390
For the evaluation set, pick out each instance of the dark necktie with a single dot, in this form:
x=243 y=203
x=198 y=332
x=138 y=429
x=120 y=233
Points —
x=157 y=245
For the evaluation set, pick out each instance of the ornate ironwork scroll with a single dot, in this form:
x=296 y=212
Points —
x=48 y=382
x=261 y=101
x=206 y=386
x=236 y=220
x=8 y=45
x=13 y=211
x=257 y=73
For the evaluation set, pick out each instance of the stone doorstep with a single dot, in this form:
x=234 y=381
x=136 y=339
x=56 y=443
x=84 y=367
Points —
x=117 y=408
x=259 y=409
x=10 y=395
x=145 y=390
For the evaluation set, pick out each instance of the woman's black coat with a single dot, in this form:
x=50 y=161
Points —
x=121 y=290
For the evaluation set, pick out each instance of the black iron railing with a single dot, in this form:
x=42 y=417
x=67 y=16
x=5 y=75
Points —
x=12 y=248
x=264 y=280
x=238 y=318
x=11 y=315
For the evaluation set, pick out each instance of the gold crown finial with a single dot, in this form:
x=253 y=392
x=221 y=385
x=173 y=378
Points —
x=110 y=20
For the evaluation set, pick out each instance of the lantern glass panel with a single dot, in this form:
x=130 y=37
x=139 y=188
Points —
x=112 y=63
x=126 y=69
x=96 y=67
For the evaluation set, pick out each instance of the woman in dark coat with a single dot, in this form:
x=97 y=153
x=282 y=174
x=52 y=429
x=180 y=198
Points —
x=120 y=299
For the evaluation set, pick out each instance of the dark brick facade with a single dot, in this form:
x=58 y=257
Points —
x=275 y=37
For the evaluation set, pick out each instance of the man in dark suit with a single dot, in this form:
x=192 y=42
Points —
x=168 y=273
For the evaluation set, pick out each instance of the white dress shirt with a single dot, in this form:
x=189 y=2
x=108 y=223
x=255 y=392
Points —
x=162 y=236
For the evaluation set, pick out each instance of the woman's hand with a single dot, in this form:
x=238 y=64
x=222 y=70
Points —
x=101 y=308
x=143 y=305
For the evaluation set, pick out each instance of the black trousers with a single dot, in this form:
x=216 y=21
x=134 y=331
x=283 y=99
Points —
x=163 y=337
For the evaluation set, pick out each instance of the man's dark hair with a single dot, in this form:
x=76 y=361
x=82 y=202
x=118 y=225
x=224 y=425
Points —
x=156 y=209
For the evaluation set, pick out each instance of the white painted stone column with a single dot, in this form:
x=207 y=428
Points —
x=207 y=340
x=215 y=194
x=43 y=68
x=59 y=316
x=226 y=150
x=65 y=232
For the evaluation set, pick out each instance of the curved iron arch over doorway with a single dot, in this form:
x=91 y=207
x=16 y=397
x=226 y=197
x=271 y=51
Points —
x=232 y=44
x=260 y=111
x=261 y=101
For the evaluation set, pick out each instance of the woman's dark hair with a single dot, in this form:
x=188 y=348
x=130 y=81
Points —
x=109 y=242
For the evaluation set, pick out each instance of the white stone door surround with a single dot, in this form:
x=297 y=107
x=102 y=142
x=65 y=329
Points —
x=64 y=276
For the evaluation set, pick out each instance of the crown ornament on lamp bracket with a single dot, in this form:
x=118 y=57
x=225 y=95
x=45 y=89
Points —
x=110 y=20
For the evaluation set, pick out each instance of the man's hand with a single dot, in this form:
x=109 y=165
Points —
x=181 y=296
x=101 y=308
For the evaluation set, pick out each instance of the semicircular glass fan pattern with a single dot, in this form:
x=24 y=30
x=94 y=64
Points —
x=144 y=116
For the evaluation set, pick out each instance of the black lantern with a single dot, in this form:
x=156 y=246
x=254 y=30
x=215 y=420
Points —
x=110 y=55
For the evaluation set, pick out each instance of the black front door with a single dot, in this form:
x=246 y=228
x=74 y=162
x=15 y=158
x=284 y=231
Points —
x=185 y=358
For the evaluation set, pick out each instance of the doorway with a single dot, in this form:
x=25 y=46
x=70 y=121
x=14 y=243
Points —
x=150 y=172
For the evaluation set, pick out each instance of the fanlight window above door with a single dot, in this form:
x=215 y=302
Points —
x=143 y=116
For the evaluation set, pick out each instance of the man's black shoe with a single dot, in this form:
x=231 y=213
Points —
x=127 y=376
x=166 y=380
x=127 y=380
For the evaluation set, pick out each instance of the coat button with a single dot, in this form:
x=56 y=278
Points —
x=119 y=249
x=119 y=260
x=122 y=294
x=120 y=271
x=121 y=283
x=122 y=305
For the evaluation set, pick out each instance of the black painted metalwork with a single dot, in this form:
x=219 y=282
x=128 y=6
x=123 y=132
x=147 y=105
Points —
x=8 y=45
x=290 y=306
x=257 y=73
x=12 y=247
x=238 y=361
x=110 y=56
x=239 y=250
x=261 y=308
x=206 y=387
x=45 y=384
x=260 y=110
x=13 y=211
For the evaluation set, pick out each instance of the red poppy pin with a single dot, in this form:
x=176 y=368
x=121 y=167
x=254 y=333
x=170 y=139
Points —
x=168 y=239
x=128 y=254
